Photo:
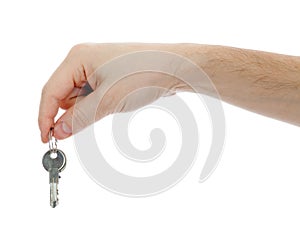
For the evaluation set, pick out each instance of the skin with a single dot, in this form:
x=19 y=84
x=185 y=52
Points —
x=265 y=83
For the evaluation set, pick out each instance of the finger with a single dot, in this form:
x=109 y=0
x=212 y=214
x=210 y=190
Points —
x=68 y=103
x=59 y=86
x=76 y=94
x=84 y=90
x=52 y=93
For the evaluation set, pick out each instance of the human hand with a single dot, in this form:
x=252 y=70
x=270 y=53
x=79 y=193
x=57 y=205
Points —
x=89 y=85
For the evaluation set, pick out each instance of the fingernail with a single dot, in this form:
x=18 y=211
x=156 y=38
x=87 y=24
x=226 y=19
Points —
x=66 y=128
x=62 y=130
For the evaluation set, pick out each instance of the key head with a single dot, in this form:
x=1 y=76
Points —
x=54 y=160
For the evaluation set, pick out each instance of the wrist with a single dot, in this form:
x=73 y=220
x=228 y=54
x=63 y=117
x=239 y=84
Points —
x=194 y=67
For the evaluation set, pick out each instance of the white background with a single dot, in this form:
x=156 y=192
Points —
x=251 y=199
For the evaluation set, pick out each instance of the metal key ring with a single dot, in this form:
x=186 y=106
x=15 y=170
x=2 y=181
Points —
x=52 y=141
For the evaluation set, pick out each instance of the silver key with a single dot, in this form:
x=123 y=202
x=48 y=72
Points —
x=54 y=161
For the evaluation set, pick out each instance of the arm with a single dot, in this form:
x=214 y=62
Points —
x=262 y=82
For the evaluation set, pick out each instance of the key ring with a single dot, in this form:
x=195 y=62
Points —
x=52 y=141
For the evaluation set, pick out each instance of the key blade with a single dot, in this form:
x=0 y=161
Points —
x=53 y=195
x=53 y=180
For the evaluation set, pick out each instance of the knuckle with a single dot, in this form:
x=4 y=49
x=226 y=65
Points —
x=79 y=48
x=44 y=90
x=40 y=121
x=78 y=53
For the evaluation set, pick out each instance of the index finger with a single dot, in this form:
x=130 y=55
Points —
x=57 y=88
x=71 y=73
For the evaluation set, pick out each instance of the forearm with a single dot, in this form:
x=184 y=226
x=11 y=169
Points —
x=262 y=82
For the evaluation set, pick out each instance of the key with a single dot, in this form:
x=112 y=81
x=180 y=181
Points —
x=54 y=161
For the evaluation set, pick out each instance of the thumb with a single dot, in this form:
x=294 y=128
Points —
x=83 y=113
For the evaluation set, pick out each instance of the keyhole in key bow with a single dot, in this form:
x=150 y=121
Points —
x=53 y=155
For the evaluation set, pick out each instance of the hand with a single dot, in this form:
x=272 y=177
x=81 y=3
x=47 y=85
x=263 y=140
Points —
x=90 y=77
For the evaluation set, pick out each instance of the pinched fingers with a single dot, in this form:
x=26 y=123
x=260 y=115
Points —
x=69 y=75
